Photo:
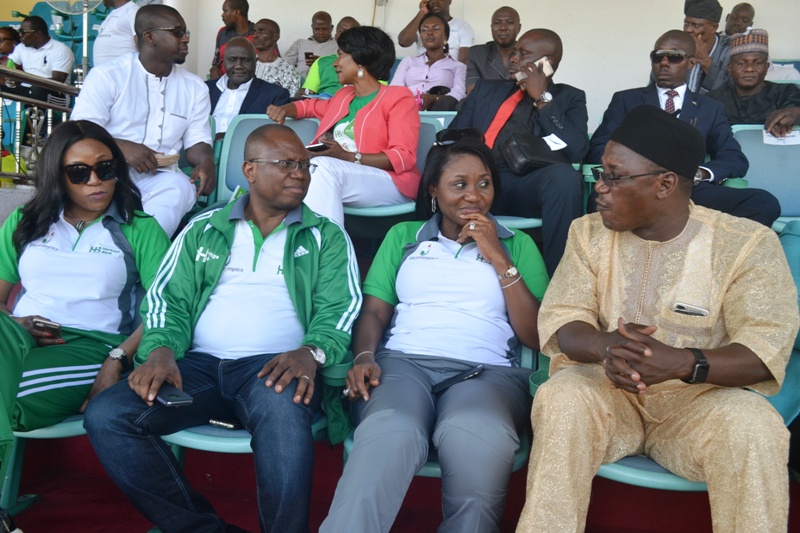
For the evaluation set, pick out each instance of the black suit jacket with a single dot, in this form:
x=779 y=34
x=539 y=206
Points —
x=484 y=63
x=705 y=114
x=566 y=116
x=260 y=95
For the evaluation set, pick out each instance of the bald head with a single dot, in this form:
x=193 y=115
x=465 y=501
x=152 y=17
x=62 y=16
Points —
x=270 y=25
x=321 y=27
x=345 y=24
x=740 y=17
x=682 y=39
x=505 y=27
x=153 y=16
x=550 y=41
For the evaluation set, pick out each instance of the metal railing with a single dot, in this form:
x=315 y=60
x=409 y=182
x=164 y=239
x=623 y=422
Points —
x=35 y=115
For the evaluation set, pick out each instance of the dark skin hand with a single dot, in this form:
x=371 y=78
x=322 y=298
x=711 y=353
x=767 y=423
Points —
x=535 y=84
x=367 y=332
x=111 y=371
x=147 y=378
x=779 y=123
x=201 y=157
x=139 y=157
x=283 y=368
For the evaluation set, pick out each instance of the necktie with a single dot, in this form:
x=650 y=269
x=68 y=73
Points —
x=502 y=116
x=670 y=107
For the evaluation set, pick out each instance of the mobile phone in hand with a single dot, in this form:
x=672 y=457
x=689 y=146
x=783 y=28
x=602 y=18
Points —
x=317 y=147
x=47 y=325
x=463 y=376
x=172 y=396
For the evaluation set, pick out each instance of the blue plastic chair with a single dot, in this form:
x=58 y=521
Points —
x=773 y=168
x=229 y=173
x=10 y=500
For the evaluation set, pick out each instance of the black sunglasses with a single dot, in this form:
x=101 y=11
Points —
x=673 y=56
x=452 y=135
x=80 y=173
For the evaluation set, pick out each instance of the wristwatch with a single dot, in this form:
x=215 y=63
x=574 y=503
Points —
x=545 y=98
x=316 y=353
x=701 y=367
x=510 y=273
x=118 y=354
x=358 y=158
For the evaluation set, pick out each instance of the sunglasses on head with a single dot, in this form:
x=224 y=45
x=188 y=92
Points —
x=80 y=173
x=673 y=56
x=452 y=136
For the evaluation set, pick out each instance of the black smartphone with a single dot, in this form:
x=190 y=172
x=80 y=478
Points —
x=172 y=396
x=47 y=325
x=463 y=376
x=318 y=147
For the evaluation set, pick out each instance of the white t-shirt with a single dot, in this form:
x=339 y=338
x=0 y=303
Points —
x=165 y=114
x=436 y=315
x=229 y=103
x=251 y=282
x=51 y=269
x=461 y=36
x=53 y=56
x=115 y=36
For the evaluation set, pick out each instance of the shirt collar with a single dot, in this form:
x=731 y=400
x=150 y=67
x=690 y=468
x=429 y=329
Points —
x=222 y=84
x=681 y=90
x=112 y=211
x=430 y=230
x=237 y=211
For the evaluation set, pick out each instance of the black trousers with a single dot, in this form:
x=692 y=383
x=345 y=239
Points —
x=554 y=194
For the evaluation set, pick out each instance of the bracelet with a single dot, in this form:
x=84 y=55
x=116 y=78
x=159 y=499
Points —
x=362 y=353
x=504 y=287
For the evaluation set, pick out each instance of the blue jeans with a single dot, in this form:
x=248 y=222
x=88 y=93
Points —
x=125 y=433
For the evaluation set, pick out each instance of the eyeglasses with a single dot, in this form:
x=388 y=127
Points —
x=287 y=165
x=452 y=136
x=673 y=56
x=174 y=30
x=80 y=173
x=608 y=178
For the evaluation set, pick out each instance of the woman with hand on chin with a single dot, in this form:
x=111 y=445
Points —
x=442 y=296
x=80 y=248
x=369 y=131
x=428 y=73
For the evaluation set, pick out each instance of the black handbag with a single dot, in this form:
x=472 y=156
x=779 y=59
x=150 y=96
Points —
x=525 y=153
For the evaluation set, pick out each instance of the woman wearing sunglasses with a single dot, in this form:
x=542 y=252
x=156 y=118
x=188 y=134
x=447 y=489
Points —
x=80 y=249
x=443 y=296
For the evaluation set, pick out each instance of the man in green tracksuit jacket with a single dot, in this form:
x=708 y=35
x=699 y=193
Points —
x=248 y=303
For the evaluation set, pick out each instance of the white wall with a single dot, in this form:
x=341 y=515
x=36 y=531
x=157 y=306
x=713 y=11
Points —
x=606 y=44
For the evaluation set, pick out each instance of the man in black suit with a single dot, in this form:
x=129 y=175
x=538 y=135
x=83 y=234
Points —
x=238 y=91
x=671 y=59
x=536 y=108
x=489 y=61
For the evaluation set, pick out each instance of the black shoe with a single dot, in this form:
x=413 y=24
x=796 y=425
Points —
x=6 y=523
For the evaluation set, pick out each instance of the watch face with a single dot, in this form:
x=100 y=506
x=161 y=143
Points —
x=116 y=353
x=547 y=97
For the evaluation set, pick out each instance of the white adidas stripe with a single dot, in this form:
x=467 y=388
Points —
x=56 y=386
x=62 y=377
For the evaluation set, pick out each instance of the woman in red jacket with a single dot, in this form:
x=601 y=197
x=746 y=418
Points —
x=368 y=132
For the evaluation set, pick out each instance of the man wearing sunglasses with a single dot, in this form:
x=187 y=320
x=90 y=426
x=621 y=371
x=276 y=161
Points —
x=662 y=320
x=671 y=59
x=154 y=108
x=251 y=299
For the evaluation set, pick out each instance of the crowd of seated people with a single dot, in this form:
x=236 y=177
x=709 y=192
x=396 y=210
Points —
x=638 y=326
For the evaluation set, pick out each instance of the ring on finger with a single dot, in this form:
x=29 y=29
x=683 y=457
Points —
x=471 y=225
x=346 y=391
x=304 y=377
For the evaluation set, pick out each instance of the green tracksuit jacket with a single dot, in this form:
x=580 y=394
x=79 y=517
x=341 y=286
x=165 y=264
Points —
x=324 y=284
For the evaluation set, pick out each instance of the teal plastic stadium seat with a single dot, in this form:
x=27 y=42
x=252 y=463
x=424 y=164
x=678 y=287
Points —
x=773 y=168
x=519 y=222
x=229 y=173
x=443 y=117
x=10 y=500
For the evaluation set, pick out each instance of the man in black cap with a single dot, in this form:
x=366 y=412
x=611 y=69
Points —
x=658 y=316
x=701 y=19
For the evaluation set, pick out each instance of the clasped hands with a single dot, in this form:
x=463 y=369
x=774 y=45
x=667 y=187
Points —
x=634 y=359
